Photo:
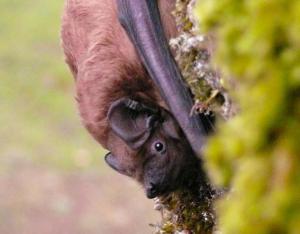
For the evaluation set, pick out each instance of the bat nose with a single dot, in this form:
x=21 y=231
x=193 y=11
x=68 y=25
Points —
x=151 y=191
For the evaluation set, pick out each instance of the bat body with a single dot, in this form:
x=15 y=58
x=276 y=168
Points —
x=120 y=102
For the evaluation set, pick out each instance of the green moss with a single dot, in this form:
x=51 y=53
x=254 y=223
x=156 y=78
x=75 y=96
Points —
x=257 y=152
x=187 y=211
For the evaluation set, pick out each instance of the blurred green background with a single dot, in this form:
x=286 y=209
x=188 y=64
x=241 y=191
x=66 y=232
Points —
x=52 y=175
x=257 y=153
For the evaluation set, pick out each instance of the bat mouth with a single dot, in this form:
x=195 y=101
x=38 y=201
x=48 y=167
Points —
x=141 y=21
x=153 y=191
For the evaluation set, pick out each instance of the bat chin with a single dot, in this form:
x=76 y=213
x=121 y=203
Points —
x=151 y=195
x=152 y=191
x=155 y=194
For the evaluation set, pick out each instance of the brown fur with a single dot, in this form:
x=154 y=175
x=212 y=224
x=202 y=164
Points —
x=104 y=62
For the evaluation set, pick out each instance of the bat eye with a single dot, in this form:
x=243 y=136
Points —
x=159 y=147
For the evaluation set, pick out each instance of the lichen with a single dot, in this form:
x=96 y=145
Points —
x=193 y=55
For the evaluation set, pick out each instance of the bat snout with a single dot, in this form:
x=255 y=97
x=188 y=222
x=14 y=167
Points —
x=152 y=190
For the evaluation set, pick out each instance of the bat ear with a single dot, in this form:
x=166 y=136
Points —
x=132 y=121
x=170 y=126
x=116 y=164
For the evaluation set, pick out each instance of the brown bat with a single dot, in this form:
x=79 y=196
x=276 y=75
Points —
x=130 y=93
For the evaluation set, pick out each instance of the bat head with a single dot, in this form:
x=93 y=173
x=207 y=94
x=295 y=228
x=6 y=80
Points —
x=163 y=160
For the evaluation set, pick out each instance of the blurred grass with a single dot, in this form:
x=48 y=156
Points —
x=52 y=175
x=38 y=118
